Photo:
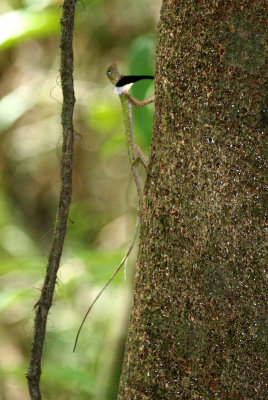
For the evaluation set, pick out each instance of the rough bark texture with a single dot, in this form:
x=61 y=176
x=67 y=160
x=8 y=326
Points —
x=45 y=302
x=197 y=326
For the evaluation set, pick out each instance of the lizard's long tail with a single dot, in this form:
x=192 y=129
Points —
x=110 y=280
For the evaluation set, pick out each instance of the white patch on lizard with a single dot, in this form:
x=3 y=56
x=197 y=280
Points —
x=122 y=89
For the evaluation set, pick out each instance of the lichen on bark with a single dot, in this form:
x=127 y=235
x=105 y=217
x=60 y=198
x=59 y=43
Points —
x=197 y=326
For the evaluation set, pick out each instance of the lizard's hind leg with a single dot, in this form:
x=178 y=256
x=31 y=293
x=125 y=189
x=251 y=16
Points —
x=140 y=157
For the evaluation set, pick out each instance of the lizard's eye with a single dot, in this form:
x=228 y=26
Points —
x=109 y=72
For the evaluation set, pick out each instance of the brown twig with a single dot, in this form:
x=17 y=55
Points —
x=45 y=302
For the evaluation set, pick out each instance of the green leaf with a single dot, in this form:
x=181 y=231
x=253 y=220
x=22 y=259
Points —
x=24 y=24
x=141 y=63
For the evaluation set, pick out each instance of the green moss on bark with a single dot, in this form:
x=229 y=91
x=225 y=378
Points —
x=197 y=326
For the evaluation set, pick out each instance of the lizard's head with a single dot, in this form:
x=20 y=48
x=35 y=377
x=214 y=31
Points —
x=113 y=73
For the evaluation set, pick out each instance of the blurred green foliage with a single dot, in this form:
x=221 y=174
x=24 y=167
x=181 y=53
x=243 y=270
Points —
x=26 y=24
x=103 y=212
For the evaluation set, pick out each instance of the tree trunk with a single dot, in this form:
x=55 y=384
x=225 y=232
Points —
x=197 y=325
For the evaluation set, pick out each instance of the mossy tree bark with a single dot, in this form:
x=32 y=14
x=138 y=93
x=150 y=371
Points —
x=197 y=323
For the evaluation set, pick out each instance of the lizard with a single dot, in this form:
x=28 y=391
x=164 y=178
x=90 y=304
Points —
x=122 y=85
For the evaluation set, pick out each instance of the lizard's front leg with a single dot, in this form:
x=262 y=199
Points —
x=137 y=103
